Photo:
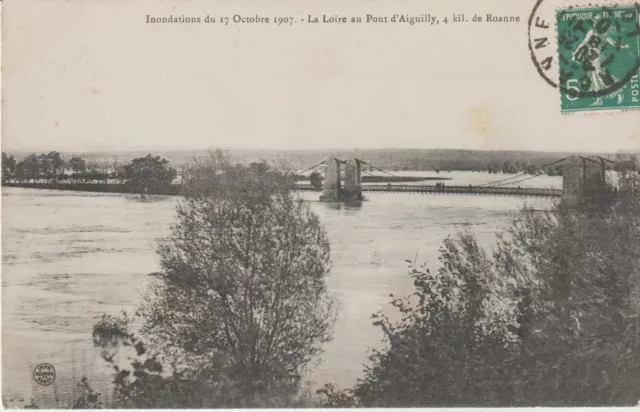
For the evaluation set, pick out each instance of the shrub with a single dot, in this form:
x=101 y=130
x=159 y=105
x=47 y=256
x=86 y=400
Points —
x=551 y=319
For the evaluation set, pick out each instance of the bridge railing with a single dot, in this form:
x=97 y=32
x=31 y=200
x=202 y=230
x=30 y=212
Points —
x=482 y=190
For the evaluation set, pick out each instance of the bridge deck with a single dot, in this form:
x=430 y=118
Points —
x=472 y=190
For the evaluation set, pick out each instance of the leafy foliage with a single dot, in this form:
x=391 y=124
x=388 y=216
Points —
x=8 y=168
x=147 y=174
x=450 y=336
x=243 y=282
x=551 y=319
x=78 y=165
x=52 y=168
x=147 y=383
x=240 y=308
x=110 y=330
x=89 y=399
x=316 y=180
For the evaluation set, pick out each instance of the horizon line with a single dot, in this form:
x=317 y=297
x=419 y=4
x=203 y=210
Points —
x=205 y=149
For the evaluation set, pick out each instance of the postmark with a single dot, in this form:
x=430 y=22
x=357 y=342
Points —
x=542 y=42
x=44 y=374
x=591 y=54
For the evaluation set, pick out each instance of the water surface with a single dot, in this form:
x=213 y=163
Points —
x=71 y=256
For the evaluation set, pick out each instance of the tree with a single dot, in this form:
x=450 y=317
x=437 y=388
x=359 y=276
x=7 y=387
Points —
x=8 y=168
x=21 y=172
x=149 y=174
x=121 y=174
x=45 y=167
x=509 y=167
x=55 y=165
x=148 y=383
x=450 y=346
x=242 y=289
x=32 y=167
x=628 y=172
x=201 y=174
x=316 y=180
x=579 y=269
x=78 y=165
x=494 y=168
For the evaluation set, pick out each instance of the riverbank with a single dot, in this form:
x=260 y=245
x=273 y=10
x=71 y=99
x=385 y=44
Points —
x=175 y=189
x=168 y=190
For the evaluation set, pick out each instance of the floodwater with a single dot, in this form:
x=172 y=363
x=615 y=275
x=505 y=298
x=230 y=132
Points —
x=71 y=256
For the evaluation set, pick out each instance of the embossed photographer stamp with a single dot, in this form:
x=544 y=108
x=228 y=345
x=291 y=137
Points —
x=44 y=374
x=598 y=58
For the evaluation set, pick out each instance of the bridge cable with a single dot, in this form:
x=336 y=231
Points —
x=521 y=180
x=600 y=159
x=494 y=183
x=312 y=167
x=605 y=159
x=555 y=168
x=589 y=159
x=375 y=167
x=523 y=173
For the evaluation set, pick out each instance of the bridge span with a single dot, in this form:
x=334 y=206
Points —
x=463 y=190
x=343 y=181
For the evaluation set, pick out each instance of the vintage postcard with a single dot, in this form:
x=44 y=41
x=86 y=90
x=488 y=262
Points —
x=320 y=204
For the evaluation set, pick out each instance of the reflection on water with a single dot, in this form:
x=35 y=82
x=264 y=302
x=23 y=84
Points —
x=340 y=206
x=69 y=257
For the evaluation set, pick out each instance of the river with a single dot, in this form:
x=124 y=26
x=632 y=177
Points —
x=71 y=256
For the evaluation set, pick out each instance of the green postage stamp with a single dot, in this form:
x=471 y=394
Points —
x=599 y=58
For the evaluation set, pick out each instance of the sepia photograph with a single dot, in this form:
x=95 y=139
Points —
x=320 y=204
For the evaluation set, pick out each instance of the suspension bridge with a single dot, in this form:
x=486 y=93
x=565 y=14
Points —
x=343 y=181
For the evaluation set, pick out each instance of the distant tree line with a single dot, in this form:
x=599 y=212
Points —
x=53 y=168
x=512 y=167
x=144 y=174
x=506 y=167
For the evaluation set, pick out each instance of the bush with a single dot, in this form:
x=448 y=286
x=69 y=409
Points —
x=240 y=307
x=450 y=347
x=551 y=319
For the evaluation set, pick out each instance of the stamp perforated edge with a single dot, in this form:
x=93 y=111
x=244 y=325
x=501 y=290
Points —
x=609 y=111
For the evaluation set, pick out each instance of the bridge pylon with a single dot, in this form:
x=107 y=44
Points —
x=581 y=175
x=352 y=181
x=332 y=189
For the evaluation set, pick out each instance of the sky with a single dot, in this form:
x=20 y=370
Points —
x=93 y=75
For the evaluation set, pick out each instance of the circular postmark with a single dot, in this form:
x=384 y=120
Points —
x=44 y=374
x=585 y=51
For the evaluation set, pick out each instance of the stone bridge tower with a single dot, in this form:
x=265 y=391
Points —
x=580 y=176
x=352 y=181
x=333 y=190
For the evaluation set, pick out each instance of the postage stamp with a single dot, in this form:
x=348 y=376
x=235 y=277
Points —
x=598 y=58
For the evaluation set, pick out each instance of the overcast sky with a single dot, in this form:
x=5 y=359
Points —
x=92 y=75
